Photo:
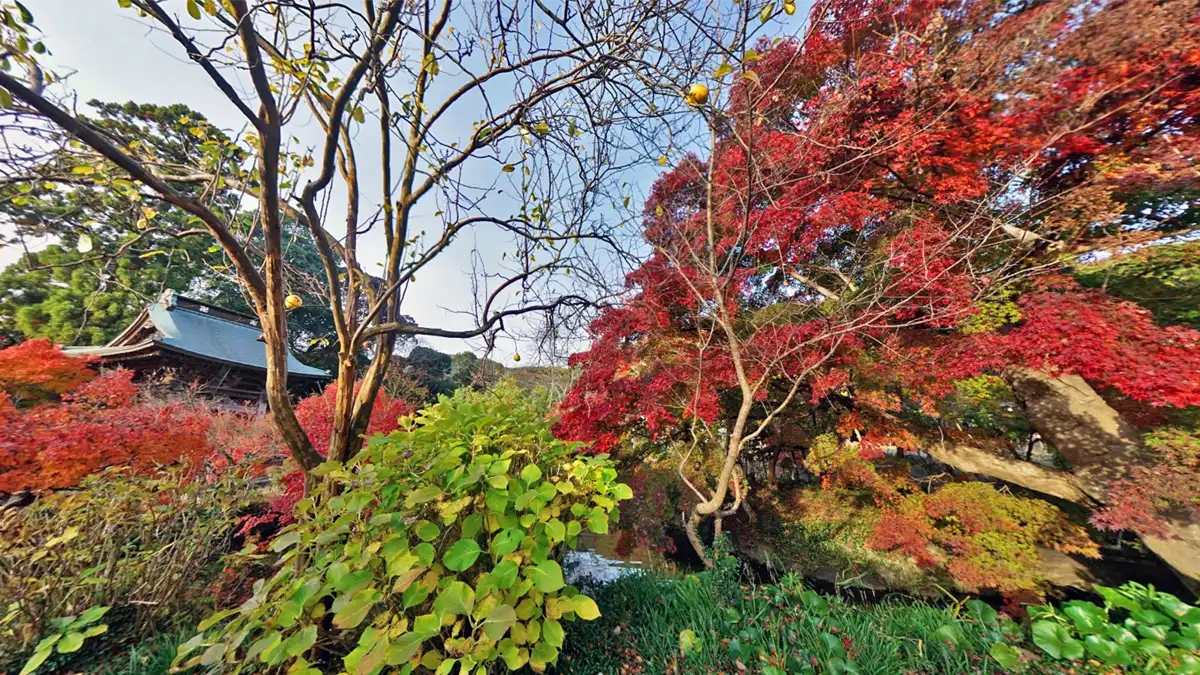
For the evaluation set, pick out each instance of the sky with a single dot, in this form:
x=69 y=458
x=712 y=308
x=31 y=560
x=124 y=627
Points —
x=110 y=55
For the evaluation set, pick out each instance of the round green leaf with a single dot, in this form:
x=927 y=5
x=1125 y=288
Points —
x=948 y=633
x=352 y=613
x=506 y=541
x=354 y=581
x=556 y=530
x=457 y=598
x=427 y=531
x=547 y=576
x=1049 y=636
x=1056 y=641
x=543 y=653
x=471 y=525
x=425 y=553
x=1152 y=648
x=71 y=642
x=422 y=495
x=621 y=491
x=301 y=641
x=598 y=523
x=531 y=474
x=1006 y=655
x=504 y=574
x=461 y=555
x=687 y=641
x=498 y=621
x=552 y=633
x=585 y=608
x=1107 y=651
x=514 y=657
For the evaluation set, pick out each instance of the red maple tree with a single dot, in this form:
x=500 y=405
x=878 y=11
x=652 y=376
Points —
x=36 y=369
x=891 y=205
x=62 y=421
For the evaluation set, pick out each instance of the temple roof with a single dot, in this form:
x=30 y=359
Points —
x=181 y=324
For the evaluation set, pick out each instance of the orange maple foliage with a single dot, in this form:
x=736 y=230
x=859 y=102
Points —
x=96 y=421
x=37 y=369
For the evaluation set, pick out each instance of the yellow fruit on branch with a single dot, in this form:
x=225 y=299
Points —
x=516 y=357
x=789 y=8
x=697 y=94
x=292 y=302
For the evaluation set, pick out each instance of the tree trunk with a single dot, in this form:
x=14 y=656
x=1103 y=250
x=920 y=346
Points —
x=343 y=407
x=1102 y=447
x=971 y=459
x=372 y=381
x=690 y=526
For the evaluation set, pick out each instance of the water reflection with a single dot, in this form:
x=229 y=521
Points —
x=595 y=561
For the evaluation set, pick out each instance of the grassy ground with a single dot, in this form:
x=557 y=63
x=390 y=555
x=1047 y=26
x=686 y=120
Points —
x=657 y=623
x=774 y=630
x=152 y=657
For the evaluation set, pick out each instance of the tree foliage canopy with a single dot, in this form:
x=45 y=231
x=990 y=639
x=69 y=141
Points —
x=891 y=206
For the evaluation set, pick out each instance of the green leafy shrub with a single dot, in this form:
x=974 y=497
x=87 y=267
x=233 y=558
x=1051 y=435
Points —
x=143 y=546
x=438 y=551
x=67 y=635
x=1138 y=629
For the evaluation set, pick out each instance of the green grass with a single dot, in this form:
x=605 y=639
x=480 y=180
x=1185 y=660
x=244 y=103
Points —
x=150 y=657
x=774 y=630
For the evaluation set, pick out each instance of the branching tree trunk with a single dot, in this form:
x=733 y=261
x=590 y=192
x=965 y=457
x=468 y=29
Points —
x=1101 y=447
x=469 y=100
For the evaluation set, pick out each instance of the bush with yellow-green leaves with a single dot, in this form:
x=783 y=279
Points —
x=439 y=553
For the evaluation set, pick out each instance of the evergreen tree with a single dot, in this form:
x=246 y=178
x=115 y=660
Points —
x=85 y=288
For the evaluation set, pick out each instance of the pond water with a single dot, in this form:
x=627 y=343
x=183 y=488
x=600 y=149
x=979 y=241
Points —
x=596 y=562
x=596 y=558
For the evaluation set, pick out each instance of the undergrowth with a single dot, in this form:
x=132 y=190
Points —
x=710 y=623
x=151 y=657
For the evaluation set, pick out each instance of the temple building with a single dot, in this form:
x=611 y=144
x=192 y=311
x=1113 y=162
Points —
x=216 y=351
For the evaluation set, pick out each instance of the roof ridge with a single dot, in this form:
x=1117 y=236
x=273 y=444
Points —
x=174 y=304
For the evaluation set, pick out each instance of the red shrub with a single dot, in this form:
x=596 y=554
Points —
x=37 y=370
x=985 y=538
x=95 y=425
x=316 y=415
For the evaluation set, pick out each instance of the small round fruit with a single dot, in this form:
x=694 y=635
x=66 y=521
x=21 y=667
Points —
x=292 y=301
x=697 y=94
x=789 y=8
x=516 y=357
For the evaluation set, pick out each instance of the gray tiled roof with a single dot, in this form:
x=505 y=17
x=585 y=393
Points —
x=194 y=331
